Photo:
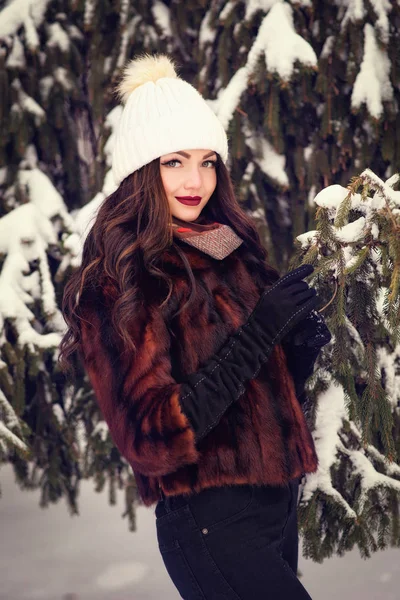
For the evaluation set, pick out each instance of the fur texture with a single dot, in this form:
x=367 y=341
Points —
x=143 y=69
x=261 y=439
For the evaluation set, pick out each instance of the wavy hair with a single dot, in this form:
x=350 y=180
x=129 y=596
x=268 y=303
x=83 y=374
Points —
x=131 y=230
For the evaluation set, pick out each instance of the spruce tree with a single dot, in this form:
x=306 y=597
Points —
x=308 y=92
x=354 y=393
x=59 y=61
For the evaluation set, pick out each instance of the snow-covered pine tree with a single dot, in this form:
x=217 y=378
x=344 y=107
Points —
x=309 y=96
x=300 y=116
x=354 y=497
x=58 y=63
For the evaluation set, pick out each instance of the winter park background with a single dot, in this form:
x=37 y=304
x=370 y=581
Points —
x=308 y=92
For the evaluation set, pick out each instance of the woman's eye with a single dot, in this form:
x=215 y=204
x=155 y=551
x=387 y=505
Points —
x=170 y=163
x=174 y=160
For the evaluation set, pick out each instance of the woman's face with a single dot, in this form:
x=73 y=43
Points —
x=190 y=175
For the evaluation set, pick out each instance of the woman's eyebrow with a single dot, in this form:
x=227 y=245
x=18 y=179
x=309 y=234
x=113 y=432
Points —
x=186 y=155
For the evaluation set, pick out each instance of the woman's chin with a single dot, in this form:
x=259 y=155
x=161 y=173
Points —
x=189 y=213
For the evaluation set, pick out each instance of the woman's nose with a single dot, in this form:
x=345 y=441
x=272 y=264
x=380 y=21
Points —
x=193 y=179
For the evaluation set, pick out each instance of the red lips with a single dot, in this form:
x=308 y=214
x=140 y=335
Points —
x=188 y=197
x=189 y=200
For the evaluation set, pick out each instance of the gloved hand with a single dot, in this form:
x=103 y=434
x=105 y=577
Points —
x=284 y=305
x=310 y=332
x=302 y=346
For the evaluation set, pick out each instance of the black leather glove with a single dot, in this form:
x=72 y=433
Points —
x=302 y=346
x=206 y=394
x=310 y=332
x=284 y=305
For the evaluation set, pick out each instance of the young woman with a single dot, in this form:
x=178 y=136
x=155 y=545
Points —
x=197 y=351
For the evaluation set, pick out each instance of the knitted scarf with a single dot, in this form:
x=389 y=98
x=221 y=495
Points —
x=216 y=239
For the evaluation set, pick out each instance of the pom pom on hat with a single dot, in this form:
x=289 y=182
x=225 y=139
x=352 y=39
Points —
x=162 y=113
x=143 y=69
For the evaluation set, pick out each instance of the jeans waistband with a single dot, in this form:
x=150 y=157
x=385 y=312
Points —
x=169 y=503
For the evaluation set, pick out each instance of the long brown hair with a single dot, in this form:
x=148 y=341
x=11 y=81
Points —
x=131 y=231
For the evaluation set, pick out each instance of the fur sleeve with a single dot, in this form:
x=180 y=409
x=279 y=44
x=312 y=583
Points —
x=136 y=393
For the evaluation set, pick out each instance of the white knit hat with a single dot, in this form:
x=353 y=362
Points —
x=162 y=114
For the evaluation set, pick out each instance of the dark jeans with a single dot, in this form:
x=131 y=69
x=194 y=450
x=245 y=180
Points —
x=232 y=543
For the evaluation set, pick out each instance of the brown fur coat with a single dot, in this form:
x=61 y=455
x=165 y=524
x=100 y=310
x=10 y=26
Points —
x=262 y=438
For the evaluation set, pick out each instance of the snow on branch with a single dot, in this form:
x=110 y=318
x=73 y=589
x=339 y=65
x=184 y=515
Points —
x=16 y=58
x=57 y=36
x=356 y=12
x=265 y=156
x=28 y=104
x=25 y=234
x=252 y=6
x=23 y=13
x=280 y=44
x=384 y=189
x=370 y=477
x=10 y=426
x=281 y=47
x=8 y=438
x=372 y=85
x=162 y=17
x=330 y=417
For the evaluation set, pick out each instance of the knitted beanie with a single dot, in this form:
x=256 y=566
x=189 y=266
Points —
x=162 y=113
